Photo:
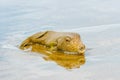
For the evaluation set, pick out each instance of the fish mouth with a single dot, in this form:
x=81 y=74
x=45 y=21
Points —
x=77 y=53
x=67 y=52
x=81 y=51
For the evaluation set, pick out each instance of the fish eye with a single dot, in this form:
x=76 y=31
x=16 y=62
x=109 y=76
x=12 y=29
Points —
x=68 y=39
x=25 y=45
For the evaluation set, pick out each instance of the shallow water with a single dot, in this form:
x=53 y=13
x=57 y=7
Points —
x=96 y=21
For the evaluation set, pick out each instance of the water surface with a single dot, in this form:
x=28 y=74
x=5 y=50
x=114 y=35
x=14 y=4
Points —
x=97 y=22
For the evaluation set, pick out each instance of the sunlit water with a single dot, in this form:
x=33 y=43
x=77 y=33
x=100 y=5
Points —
x=96 y=21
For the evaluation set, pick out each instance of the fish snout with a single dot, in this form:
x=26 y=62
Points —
x=82 y=49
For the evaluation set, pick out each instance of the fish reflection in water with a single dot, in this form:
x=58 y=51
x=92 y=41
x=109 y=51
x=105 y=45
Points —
x=68 y=61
